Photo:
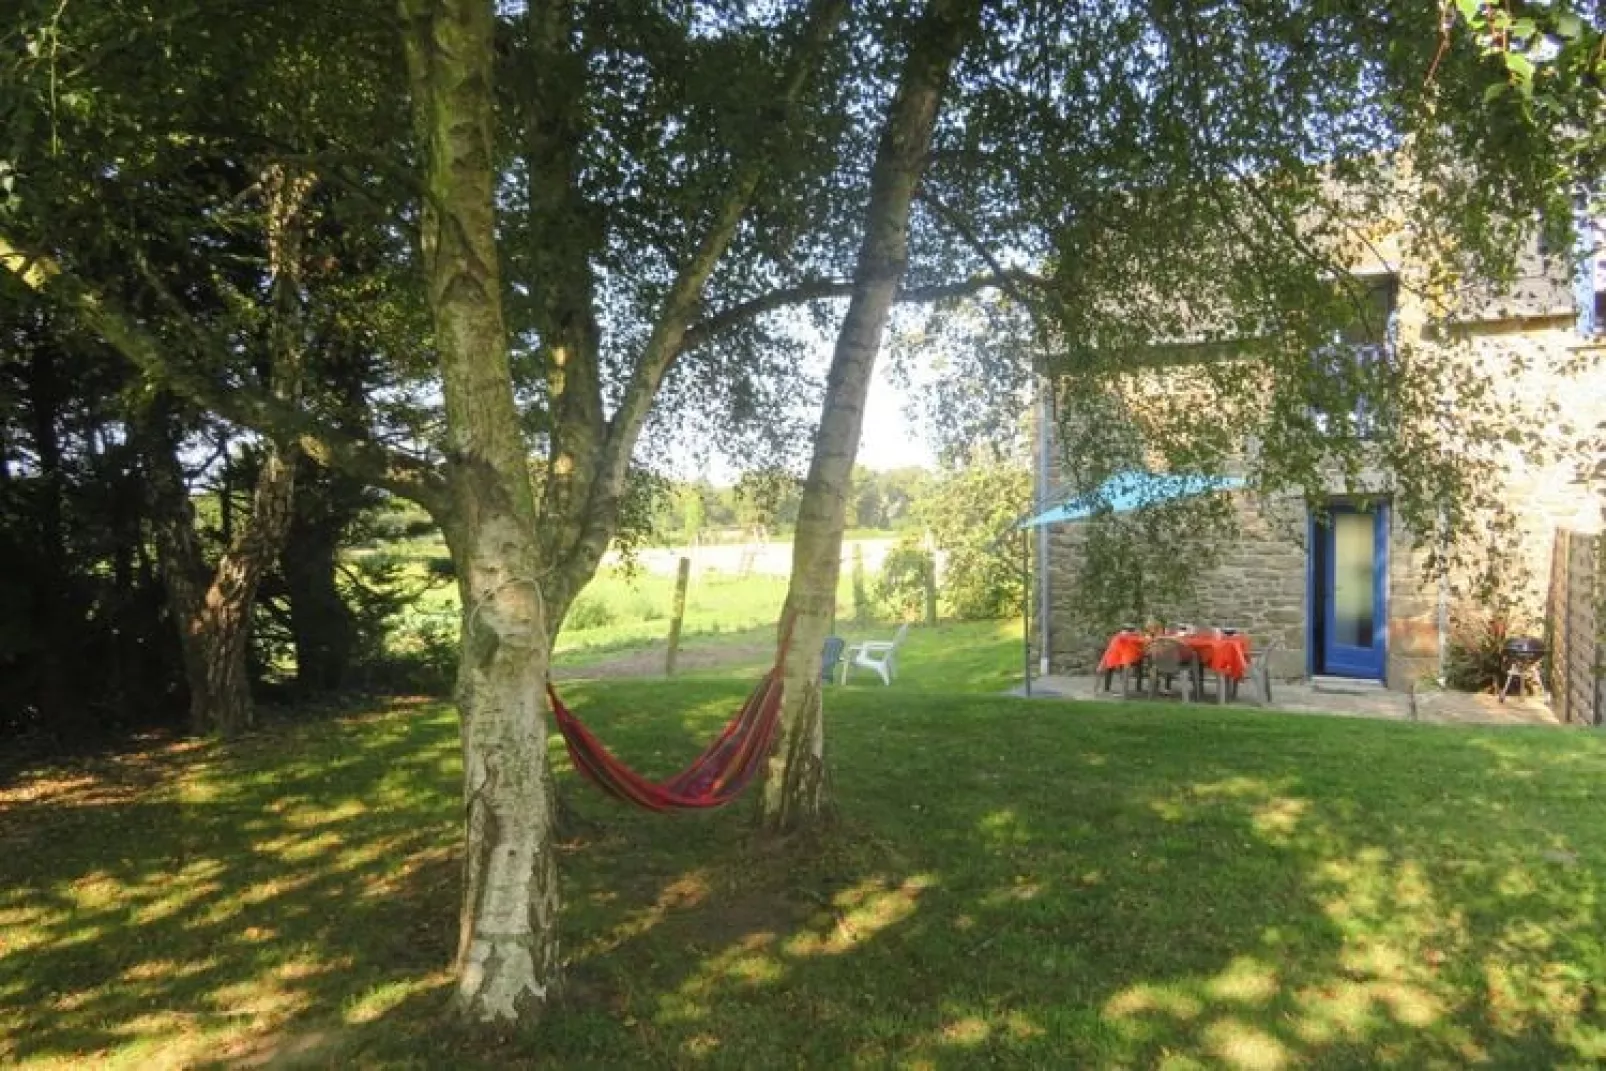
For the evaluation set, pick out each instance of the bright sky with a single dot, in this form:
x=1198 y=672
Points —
x=892 y=437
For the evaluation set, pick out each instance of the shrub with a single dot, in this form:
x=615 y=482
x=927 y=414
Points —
x=589 y=612
x=902 y=585
x=644 y=607
x=419 y=655
x=1474 y=660
x=972 y=512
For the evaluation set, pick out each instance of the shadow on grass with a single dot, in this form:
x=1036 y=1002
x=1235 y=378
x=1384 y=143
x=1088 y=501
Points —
x=186 y=897
x=1076 y=886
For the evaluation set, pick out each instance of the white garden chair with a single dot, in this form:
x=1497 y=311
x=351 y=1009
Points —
x=878 y=655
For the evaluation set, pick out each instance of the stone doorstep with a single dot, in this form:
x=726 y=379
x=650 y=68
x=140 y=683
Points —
x=1345 y=685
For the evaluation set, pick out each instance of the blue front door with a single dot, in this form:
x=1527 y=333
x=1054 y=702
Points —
x=1351 y=566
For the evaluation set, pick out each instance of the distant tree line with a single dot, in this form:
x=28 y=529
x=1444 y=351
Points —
x=768 y=498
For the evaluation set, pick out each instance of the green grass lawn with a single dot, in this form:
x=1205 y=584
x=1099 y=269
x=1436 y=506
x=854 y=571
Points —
x=1010 y=883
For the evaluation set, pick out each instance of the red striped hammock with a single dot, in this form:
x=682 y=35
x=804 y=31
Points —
x=714 y=779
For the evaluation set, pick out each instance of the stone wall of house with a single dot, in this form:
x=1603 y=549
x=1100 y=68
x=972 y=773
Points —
x=1413 y=610
x=1553 y=386
x=1074 y=645
x=1257 y=584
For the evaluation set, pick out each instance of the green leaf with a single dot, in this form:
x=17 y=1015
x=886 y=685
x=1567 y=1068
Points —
x=1522 y=68
x=1471 y=10
x=1494 y=92
x=1523 y=29
x=1569 y=26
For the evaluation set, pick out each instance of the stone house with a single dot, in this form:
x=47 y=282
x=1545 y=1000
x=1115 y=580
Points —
x=1350 y=595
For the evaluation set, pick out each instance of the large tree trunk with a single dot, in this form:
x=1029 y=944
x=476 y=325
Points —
x=211 y=608
x=321 y=624
x=795 y=793
x=213 y=613
x=183 y=567
x=507 y=958
x=221 y=691
x=127 y=669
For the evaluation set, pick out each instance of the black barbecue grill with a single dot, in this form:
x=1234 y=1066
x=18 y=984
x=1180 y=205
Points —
x=1522 y=655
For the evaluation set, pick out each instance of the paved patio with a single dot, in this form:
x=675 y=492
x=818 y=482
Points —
x=1345 y=699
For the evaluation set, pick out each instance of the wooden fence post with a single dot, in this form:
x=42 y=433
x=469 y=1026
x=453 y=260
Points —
x=930 y=578
x=682 y=578
x=861 y=599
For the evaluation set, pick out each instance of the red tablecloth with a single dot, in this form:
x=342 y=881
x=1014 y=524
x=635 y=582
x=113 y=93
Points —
x=1227 y=655
x=1125 y=649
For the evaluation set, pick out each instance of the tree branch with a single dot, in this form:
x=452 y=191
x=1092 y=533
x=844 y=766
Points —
x=1008 y=280
x=668 y=338
x=566 y=232
x=398 y=473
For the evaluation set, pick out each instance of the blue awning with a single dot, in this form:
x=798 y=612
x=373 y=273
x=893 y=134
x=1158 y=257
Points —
x=1129 y=491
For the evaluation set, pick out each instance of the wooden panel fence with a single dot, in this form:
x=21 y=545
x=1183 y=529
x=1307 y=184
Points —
x=1576 y=629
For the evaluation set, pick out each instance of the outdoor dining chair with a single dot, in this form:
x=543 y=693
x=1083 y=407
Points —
x=1259 y=675
x=1223 y=683
x=1206 y=672
x=1171 y=660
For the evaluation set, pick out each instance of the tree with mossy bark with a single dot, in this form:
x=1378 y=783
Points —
x=192 y=234
x=795 y=793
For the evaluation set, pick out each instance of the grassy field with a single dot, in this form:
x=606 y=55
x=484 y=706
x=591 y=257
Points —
x=1010 y=883
x=619 y=612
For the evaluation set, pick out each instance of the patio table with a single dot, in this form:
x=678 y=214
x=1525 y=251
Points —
x=1226 y=655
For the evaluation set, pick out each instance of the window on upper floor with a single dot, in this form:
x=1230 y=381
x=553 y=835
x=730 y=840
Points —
x=1349 y=367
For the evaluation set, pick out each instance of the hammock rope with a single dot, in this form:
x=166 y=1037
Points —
x=716 y=777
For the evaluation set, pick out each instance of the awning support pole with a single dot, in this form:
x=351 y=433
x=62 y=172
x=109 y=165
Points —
x=1026 y=605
